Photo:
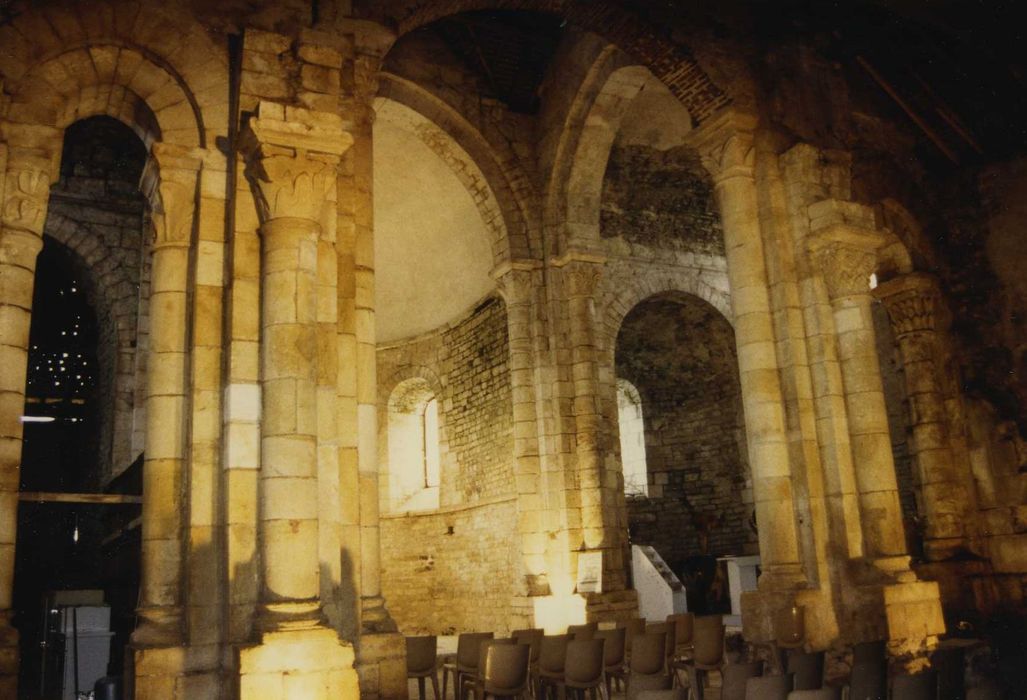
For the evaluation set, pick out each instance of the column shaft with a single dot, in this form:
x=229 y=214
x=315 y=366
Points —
x=847 y=256
x=288 y=440
x=27 y=158
x=726 y=147
x=911 y=301
x=170 y=182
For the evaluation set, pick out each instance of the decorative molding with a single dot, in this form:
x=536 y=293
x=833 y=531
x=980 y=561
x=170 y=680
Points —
x=912 y=302
x=292 y=159
x=846 y=256
x=26 y=192
x=582 y=277
x=169 y=182
x=725 y=144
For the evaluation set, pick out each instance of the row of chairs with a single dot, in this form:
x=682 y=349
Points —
x=648 y=658
x=642 y=656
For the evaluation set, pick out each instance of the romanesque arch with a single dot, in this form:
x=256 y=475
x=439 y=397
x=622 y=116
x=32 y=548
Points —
x=674 y=65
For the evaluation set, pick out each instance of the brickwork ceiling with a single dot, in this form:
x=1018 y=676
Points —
x=508 y=51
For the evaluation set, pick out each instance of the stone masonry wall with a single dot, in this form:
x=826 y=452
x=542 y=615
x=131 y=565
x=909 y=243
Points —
x=894 y=382
x=477 y=403
x=452 y=570
x=467 y=363
x=660 y=199
x=680 y=355
x=463 y=558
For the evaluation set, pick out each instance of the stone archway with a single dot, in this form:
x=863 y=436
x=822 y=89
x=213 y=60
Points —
x=679 y=353
x=673 y=64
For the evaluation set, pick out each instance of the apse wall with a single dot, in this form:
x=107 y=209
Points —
x=455 y=567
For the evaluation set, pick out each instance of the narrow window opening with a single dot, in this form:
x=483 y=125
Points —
x=632 y=439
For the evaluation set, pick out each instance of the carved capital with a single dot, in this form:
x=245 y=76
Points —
x=844 y=253
x=582 y=277
x=912 y=302
x=31 y=166
x=169 y=182
x=292 y=157
x=725 y=144
x=515 y=283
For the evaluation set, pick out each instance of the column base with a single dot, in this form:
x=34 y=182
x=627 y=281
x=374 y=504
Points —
x=9 y=656
x=174 y=673
x=312 y=664
x=158 y=627
x=381 y=666
x=375 y=617
x=915 y=621
x=944 y=548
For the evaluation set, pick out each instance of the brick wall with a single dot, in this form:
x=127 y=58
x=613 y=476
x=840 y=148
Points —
x=680 y=355
x=660 y=199
x=477 y=404
x=467 y=363
x=453 y=570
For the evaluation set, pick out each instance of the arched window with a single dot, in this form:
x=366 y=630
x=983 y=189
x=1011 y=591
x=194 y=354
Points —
x=632 y=439
x=413 y=447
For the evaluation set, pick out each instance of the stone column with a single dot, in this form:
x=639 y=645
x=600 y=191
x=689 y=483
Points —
x=516 y=286
x=170 y=181
x=25 y=172
x=292 y=163
x=725 y=143
x=381 y=653
x=912 y=302
x=846 y=257
x=598 y=515
x=292 y=160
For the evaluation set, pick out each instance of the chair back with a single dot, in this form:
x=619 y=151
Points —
x=506 y=668
x=735 y=676
x=421 y=654
x=467 y=647
x=768 y=688
x=632 y=628
x=647 y=653
x=808 y=669
x=709 y=640
x=868 y=681
x=668 y=630
x=583 y=632
x=789 y=626
x=613 y=654
x=553 y=653
x=684 y=627
x=919 y=686
x=532 y=638
x=584 y=662
x=483 y=649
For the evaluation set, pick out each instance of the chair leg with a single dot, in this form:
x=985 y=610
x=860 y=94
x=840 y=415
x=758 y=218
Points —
x=435 y=686
x=445 y=677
